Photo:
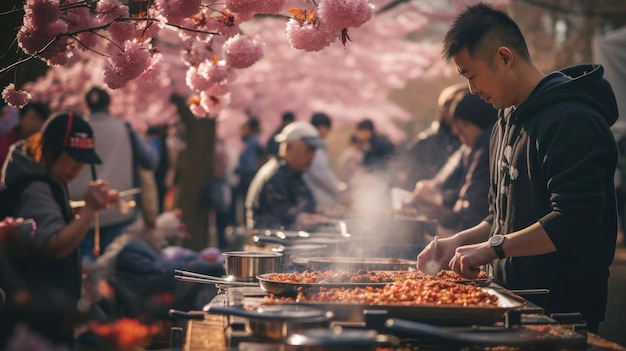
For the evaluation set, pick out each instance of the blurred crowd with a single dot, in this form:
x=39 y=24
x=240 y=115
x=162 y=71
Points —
x=65 y=179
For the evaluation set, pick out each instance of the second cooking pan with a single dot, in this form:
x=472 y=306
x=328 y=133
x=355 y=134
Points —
x=275 y=322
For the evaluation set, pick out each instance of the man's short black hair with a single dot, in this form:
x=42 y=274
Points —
x=481 y=29
x=254 y=125
x=288 y=117
x=472 y=108
x=41 y=110
x=320 y=119
x=366 y=124
x=97 y=99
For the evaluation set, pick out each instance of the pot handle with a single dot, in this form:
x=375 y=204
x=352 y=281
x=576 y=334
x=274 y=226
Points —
x=193 y=315
x=270 y=240
x=230 y=311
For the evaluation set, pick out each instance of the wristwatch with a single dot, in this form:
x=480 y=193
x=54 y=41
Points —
x=496 y=242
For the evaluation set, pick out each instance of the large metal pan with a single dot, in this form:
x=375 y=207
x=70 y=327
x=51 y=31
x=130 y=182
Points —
x=291 y=289
x=432 y=314
x=364 y=263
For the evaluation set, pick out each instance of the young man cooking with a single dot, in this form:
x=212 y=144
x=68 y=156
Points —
x=552 y=220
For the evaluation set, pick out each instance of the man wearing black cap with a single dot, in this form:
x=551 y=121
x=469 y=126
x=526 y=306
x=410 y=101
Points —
x=278 y=197
x=457 y=195
x=36 y=177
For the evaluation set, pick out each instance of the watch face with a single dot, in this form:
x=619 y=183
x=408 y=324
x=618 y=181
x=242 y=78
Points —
x=496 y=240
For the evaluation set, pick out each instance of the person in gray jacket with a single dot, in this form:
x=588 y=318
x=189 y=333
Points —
x=36 y=175
x=121 y=151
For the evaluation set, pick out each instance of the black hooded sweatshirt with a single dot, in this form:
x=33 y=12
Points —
x=552 y=161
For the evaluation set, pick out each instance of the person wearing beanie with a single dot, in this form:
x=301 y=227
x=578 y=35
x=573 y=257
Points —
x=457 y=195
x=36 y=177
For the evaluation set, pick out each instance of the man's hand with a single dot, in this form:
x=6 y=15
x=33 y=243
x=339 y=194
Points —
x=98 y=196
x=468 y=259
x=445 y=251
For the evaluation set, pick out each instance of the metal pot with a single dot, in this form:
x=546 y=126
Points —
x=245 y=266
x=339 y=339
x=277 y=322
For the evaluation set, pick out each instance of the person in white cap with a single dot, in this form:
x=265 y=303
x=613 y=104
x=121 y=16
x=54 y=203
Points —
x=278 y=197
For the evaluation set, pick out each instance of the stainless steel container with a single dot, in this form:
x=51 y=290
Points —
x=245 y=266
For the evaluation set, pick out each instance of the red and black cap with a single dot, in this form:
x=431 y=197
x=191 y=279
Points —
x=68 y=131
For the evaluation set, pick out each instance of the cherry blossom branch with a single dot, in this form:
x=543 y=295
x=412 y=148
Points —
x=17 y=63
x=93 y=30
x=192 y=30
x=11 y=11
x=93 y=50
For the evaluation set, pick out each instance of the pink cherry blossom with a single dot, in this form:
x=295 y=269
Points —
x=122 y=31
x=339 y=14
x=109 y=10
x=256 y=6
x=212 y=101
x=197 y=110
x=215 y=72
x=148 y=29
x=227 y=24
x=112 y=78
x=126 y=65
x=32 y=38
x=177 y=10
x=308 y=37
x=15 y=98
x=154 y=69
x=242 y=51
x=41 y=13
x=196 y=81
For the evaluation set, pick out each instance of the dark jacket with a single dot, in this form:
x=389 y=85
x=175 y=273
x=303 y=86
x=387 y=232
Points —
x=277 y=195
x=469 y=198
x=552 y=161
x=429 y=151
x=377 y=153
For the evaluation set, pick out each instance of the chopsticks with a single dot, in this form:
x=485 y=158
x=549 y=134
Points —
x=96 y=244
x=192 y=277
x=125 y=193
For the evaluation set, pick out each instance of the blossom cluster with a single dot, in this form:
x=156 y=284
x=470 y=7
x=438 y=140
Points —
x=215 y=45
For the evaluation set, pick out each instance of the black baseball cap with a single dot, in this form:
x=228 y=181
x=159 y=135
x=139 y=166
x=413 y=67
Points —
x=68 y=131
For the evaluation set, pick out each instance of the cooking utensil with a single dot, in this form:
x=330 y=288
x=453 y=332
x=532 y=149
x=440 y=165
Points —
x=332 y=243
x=489 y=337
x=282 y=288
x=361 y=263
x=278 y=321
x=434 y=314
x=221 y=281
x=121 y=194
x=339 y=339
x=432 y=266
x=530 y=291
x=245 y=266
